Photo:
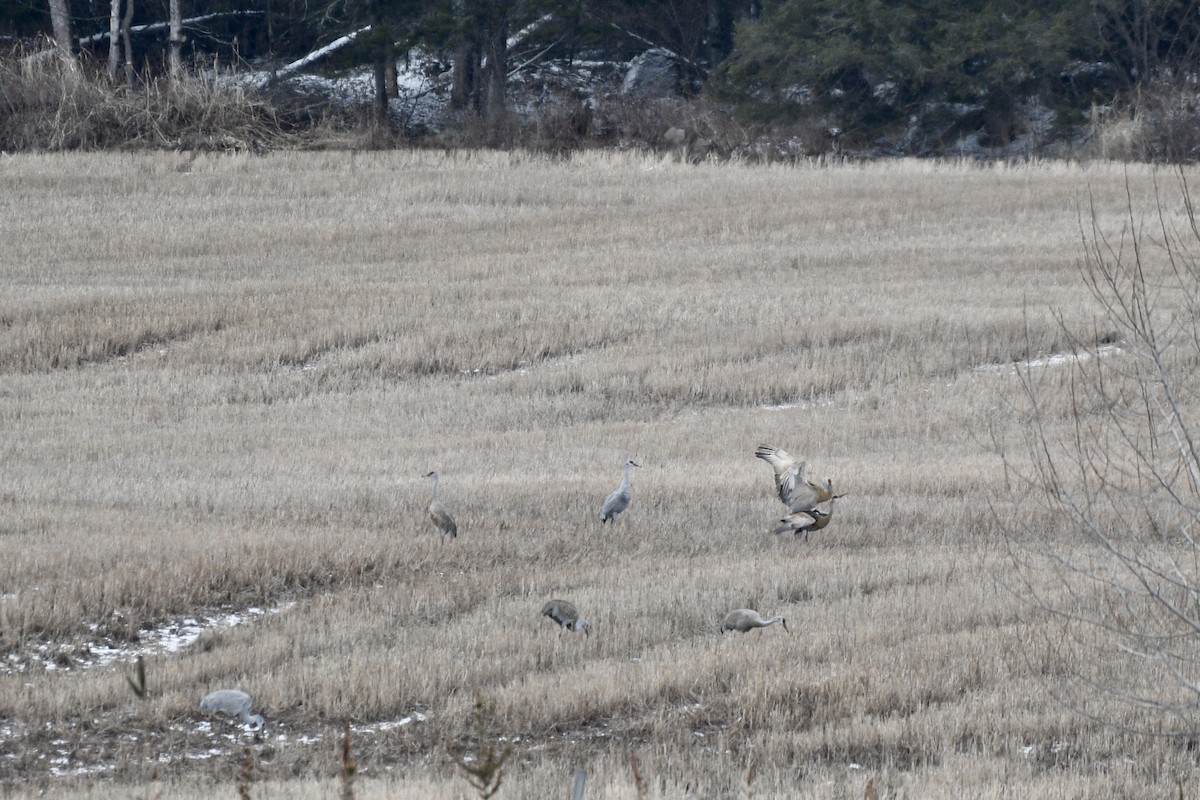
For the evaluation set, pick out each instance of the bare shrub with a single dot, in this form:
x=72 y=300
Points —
x=708 y=129
x=1160 y=123
x=1116 y=456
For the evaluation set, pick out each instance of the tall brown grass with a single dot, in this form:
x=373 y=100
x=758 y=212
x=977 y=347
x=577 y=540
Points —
x=47 y=104
x=223 y=378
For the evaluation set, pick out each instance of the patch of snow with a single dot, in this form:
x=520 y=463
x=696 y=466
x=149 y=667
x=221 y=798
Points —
x=380 y=727
x=1051 y=360
x=798 y=404
x=422 y=85
x=79 y=771
x=169 y=638
x=211 y=753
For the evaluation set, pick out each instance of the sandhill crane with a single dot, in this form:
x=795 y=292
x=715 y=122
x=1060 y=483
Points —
x=745 y=619
x=438 y=513
x=795 y=490
x=808 y=521
x=566 y=615
x=233 y=703
x=618 y=501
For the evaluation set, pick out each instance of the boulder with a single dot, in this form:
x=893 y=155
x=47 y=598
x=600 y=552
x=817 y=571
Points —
x=654 y=73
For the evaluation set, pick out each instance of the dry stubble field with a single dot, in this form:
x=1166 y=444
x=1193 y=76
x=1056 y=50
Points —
x=224 y=378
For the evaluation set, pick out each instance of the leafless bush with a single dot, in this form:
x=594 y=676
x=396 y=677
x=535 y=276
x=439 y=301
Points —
x=1160 y=124
x=706 y=128
x=1115 y=455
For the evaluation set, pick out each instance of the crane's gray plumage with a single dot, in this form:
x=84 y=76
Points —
x=812 y=520
x=566 y=615
x=802 y=522
x=438 y=513
x=618 y=501
x=233 y=703
x=795 y=490
x=746 y=619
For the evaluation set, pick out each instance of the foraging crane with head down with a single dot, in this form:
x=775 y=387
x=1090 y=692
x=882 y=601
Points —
x=747 y=619
x=566 y=615
x=618 y=501
x=233 y=703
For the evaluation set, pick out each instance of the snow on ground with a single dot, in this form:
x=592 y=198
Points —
x=170 y=637
x=1051 y=360
x=423 y=83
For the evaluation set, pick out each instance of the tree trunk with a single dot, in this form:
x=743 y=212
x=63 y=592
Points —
x=465 y=59
x=114 y=40
x=719 y=33
x=383 y=53
x=495 y=117
x=464 y=76
x=60 y=20
x=175 y=43
x=125 y=23
x=390 y=78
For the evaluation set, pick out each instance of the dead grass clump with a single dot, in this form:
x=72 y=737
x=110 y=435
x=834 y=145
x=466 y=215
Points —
x=1159 y=125
x=50 y=104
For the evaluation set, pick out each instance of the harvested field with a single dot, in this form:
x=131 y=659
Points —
x=223 y=380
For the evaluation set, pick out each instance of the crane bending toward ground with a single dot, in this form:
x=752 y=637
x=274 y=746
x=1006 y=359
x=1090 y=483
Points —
x=746 y=619
x=811 y=520
x=233 y=703
x=438 y=513
x=795 y=490
x=618 y=501
x=566 y=615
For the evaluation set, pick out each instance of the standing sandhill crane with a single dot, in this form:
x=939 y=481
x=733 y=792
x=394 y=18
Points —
x=233 y=703
x=566 y=615
x=438 y=513
x=808 y=521
x=745 y=619
x=795 y=490
x=618 y=501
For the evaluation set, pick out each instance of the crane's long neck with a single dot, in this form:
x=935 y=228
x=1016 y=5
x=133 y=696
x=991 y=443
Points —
x=625 y=479
x=772 y=621
x=435 y=485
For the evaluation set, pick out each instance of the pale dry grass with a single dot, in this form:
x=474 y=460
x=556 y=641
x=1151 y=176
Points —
x=223 y=379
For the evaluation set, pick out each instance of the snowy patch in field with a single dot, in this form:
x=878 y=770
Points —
x=59 y=768
x=380 y=727
x=214 y=752
x=1055 y=747
x=1052 y=360
x=798 y=404
x=165 y=639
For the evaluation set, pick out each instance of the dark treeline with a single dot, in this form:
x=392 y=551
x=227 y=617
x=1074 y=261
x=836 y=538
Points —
x=860 y=71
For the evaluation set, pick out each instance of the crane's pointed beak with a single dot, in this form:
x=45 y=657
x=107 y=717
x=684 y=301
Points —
x=784 y=623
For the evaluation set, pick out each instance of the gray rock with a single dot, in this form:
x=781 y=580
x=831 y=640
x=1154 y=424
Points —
x=654 y=73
